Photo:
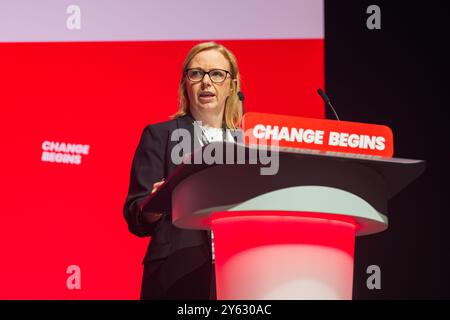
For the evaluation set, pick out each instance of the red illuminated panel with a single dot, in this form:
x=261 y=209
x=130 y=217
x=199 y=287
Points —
x=318 y=134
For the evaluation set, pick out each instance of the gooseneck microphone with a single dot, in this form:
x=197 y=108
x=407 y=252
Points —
x=327 y=101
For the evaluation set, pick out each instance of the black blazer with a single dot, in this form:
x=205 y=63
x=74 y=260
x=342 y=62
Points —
x=152 y=163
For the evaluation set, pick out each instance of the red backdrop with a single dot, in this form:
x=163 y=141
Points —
x=103 y=94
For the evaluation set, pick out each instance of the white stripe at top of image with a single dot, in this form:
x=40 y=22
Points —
x=159 y=20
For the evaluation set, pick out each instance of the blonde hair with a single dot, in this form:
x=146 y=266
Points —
x=233 y=106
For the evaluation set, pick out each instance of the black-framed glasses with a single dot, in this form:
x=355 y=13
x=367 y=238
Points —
x=216 y=75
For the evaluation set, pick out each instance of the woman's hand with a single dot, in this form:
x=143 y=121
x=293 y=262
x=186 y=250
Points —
x=152 y=217
x=156 y=185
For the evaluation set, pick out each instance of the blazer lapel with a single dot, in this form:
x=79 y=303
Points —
x=186 y=122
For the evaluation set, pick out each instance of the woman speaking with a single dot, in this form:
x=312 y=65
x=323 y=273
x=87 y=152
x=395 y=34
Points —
x=179 y=262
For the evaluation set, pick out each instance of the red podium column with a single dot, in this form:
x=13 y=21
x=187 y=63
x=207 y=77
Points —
x=289 y=235
x=283 y=255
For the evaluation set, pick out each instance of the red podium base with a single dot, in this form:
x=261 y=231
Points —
x=283 y=255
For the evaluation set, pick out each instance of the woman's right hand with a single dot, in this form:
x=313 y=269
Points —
x=156 y=185
x=152 y=217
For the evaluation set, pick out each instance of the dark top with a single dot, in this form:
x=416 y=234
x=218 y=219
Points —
x=152 y=163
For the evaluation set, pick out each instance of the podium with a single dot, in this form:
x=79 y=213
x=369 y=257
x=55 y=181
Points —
x=289 y=235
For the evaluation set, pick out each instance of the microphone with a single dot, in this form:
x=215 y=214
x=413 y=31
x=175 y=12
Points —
x=327 y=101
x=241 y=98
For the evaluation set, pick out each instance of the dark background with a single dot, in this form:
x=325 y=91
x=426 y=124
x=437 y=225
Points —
x=397 y=76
